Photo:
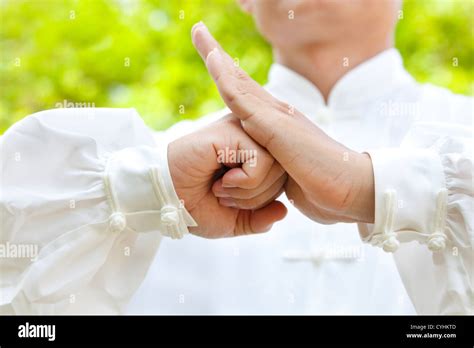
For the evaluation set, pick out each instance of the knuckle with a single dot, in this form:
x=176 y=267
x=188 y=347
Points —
x=240 y=193
x=239 y=97
x=243 y=204
x=226 y=86
x=241 y=74
x=252 y=182
x=233 y=92
x=252 y=204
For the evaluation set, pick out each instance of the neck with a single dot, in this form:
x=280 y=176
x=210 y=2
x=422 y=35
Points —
x=325 y=63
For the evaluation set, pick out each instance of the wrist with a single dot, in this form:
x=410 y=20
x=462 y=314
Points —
x=363 y=205
x=175 y=170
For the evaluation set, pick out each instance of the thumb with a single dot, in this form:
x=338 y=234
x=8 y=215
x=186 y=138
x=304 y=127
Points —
x=260 y=220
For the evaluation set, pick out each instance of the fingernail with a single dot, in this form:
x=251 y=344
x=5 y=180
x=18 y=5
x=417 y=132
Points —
x=227 y=202
x=222 y=194
x=198 y=24
x=228 y=185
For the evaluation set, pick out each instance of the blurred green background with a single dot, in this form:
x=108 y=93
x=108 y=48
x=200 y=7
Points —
x=132 y=53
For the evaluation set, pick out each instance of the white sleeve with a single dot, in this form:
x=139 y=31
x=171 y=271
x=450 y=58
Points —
x=185 y=127
x=424 y=193
x=85 y=196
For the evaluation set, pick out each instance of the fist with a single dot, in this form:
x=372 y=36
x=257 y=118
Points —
x=217 y=162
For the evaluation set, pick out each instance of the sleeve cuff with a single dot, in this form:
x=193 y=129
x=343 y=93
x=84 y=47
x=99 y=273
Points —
x=170 y=193
x=153 y=203
x=410 y=199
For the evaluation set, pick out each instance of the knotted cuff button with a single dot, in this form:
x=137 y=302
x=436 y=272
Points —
x=169 y=215
x=118 y=222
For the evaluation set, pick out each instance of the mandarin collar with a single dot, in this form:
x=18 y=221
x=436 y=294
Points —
x=369 y=81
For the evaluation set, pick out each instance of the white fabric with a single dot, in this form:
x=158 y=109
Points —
x=430 y=176
x=91 y=190
x=407 y=186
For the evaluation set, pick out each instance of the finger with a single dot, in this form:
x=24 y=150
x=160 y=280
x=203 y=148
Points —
x=204 y=42
x=256 y=164
x=260 y=220
x=240 y=93
x=316 y=213
x=227 y=76
x=266 y=120
x=263 y=117
x=232 y=190
x=261 y=200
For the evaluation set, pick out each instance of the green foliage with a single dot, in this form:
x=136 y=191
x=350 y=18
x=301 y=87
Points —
x=139 y=54
x=435 y=40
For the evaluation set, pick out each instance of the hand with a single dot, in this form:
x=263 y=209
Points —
x=222 y=154
x=327 y=181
